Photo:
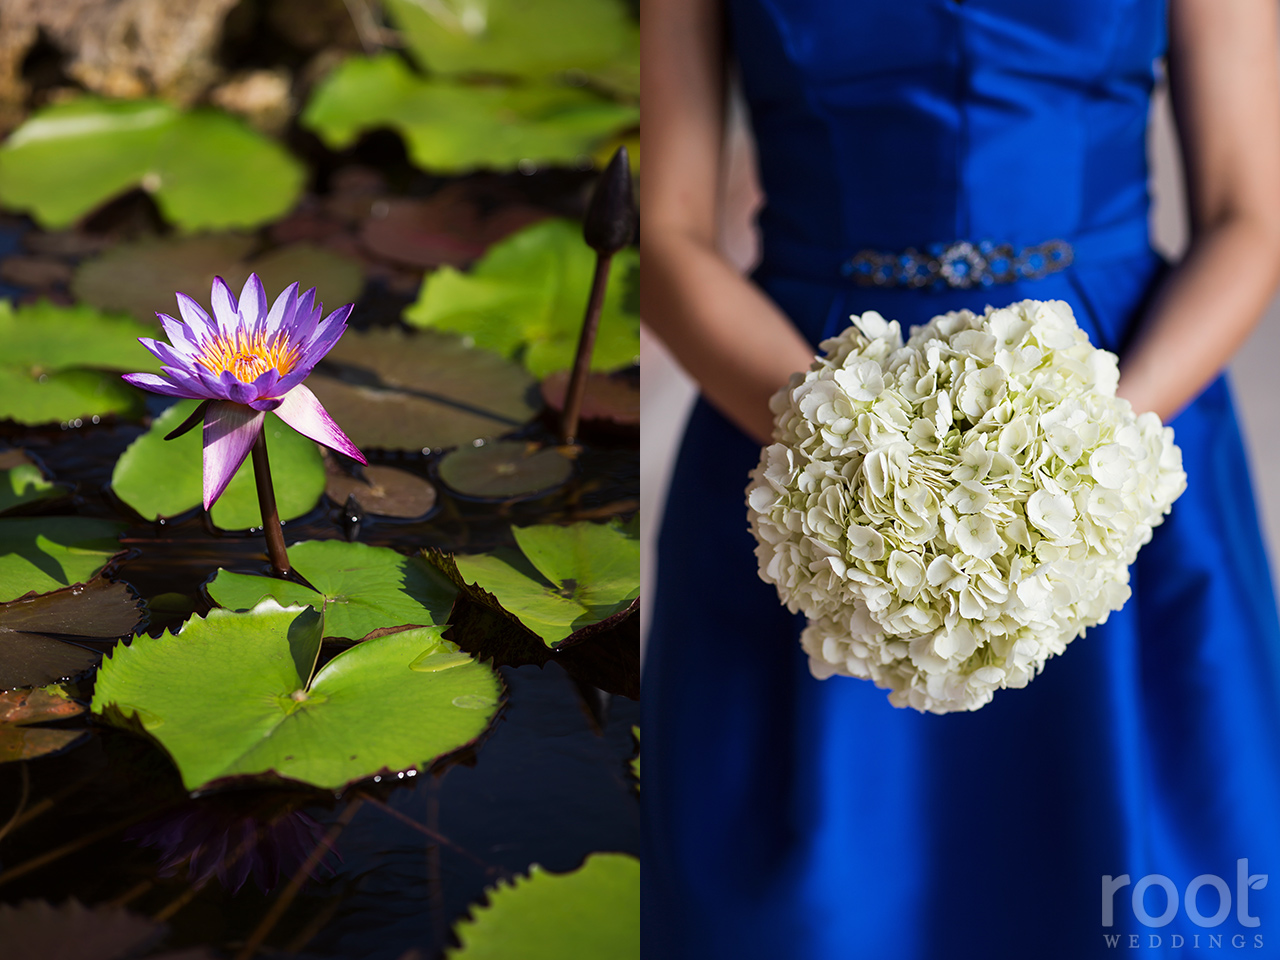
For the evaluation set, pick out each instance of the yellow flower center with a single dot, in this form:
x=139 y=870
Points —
x=248 y=356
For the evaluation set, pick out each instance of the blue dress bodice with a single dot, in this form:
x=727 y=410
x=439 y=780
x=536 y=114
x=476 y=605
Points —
x=923 y=121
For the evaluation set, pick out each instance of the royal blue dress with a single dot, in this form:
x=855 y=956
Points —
x=795 y=819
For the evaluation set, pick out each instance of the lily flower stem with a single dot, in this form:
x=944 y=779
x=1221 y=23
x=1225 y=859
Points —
x=267 y=503
x=586 y=343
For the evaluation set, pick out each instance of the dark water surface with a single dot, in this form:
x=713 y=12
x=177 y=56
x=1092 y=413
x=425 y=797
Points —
x=549 y=783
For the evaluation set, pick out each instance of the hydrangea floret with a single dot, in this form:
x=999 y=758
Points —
x=951 y=512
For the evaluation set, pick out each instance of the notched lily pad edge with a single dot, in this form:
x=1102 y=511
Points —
x=443 y=561
x=114 y=715
x=79 y=714
x=107 y=573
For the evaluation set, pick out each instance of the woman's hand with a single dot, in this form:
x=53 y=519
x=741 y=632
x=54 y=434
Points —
x=727 y=334
x=1224 y=73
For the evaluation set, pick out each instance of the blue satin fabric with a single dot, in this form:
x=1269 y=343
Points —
x=799 y=819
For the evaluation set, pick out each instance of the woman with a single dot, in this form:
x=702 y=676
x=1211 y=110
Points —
x=794 y=818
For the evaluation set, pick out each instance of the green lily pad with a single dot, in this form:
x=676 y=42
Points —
x=389 y=703
x=526 y=37
x=621 y=76
x=52 y=364
x=97 y=610
x=39 y=554
x=452 y=127
x=393 y=390
x=69 y=396
x=141 y=278
x=505 y=470
x=605 y=655
x=162 y=478
x=528 y=297
x=20 y=708
x=206 y=169
x=562 y=579
x=593 y=911
x=51 y=337
x=25 y=484
x=361 y=588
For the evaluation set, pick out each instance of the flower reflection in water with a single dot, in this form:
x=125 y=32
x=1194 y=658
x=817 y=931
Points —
x=233 y=836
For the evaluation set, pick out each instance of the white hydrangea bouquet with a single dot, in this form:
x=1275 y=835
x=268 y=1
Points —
x=952 y=512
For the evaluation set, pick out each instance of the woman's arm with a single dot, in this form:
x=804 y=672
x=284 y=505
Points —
x=723 y=330
x=1224 y=73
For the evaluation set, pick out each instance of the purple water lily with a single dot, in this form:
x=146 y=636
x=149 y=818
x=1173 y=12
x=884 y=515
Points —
x=243 y=361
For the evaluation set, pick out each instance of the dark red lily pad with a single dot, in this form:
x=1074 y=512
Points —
x=35 y=273
x=11 y=457
x=18 y=708
x=505 y=470
x=337 y=279
x=97 y=610
x=453 y=226
x=141 y=278
x=387 y=491
x=609 y=398
x=394 y=390
x=72 y=931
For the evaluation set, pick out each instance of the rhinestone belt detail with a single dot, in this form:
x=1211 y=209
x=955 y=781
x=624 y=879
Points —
x=959 y=265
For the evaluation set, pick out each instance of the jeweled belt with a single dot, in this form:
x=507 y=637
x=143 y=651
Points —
x=962 y=264
x=959 y=265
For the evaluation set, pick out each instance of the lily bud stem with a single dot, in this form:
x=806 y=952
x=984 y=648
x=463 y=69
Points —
x=586 y=343
x=267 y=503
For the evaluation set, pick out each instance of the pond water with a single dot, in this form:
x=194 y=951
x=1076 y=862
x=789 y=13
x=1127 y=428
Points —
x=108 y=822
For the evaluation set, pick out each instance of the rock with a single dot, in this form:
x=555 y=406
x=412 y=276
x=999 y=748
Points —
x=260 y=96
x=117 y=48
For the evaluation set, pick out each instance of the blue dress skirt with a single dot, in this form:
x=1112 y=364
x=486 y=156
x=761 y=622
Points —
x=796 y=819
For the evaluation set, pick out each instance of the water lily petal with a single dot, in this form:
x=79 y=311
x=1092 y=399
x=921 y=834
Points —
x=302 y=411
x=224 y=304
x=264 y=386
x=194 y=316
x=164 y=352
x=149 y=381
x=229 y=432
x=315 y=350
x=235 y=390
x=282 y=311
x=332 y=327
x=302 y=369
x=212 y=384
x=188 y=381
x=253 y=302
x=207 y=358
x=289 y=382
x=305 y=316
x=179 y=334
